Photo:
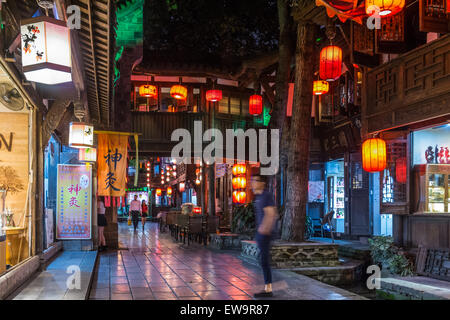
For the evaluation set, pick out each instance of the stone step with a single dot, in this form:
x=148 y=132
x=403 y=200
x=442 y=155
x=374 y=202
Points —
x=414 y=288
x=349 y=272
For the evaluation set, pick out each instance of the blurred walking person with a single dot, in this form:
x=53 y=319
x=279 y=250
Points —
x=144 y=214
x=135 y=211
x=102 y=223
x=266 y=217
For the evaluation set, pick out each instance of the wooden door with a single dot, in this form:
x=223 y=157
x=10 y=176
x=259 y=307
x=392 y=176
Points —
x=358 y=209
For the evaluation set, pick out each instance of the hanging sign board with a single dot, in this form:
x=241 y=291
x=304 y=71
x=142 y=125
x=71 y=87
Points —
x=74 y=202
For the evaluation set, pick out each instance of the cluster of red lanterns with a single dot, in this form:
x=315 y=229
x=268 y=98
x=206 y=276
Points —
x=239 y=183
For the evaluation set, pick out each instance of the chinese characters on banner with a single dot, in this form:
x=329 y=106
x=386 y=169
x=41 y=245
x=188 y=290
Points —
x=112 y=164
x=74 y=202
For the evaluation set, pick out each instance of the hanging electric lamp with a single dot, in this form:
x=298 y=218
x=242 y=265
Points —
x=374 y=155
x=87 y=154
x=81 y=135
x=46 y=51
x=213 y=95
x=255 y=104
x=320 y=87
x=239 y=169
x=384 y=7
x=148 y=91
x=178 y=92
x=330 y=63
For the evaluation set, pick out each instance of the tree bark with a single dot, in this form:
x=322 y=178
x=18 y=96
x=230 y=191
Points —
x=298 y=154
x=285 y=54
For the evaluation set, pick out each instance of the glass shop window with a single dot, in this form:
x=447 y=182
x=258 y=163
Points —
x=235 y=106
x=224 y=105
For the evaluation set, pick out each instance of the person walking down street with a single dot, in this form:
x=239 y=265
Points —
x=135 y=211
x=144 y=213
x=101 y=222
x=266 y=216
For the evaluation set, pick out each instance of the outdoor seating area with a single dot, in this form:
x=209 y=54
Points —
x=189 y=228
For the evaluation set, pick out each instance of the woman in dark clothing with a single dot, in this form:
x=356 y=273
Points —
x=101 y=222
x=144 y=213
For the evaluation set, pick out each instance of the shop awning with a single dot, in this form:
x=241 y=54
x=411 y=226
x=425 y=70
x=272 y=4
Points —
x=344 y=9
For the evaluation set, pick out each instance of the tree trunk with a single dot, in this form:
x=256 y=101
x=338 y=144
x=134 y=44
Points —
x=298 y=154
x=285 y=53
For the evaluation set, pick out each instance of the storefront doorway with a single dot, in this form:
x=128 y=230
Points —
x=335 y=193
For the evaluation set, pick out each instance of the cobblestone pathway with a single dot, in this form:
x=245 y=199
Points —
x=156 y=267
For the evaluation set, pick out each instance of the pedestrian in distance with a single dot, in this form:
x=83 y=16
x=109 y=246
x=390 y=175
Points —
x=102 y=223
x=266 y=216
x=144 y=211
x=135 y=210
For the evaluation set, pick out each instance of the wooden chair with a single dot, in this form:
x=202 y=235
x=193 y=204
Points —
x=211 y=226
x=170 y=221
x=328 y=219
x=194 y=228
x=182 y=221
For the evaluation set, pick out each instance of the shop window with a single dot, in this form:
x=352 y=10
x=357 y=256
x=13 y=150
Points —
x=224 y=105
x=357 y=175
x=235 y=106
x=394 y=176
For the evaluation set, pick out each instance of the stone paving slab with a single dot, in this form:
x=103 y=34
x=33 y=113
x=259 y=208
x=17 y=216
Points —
x=421 y=288
x=51 y=284
x=156 y=268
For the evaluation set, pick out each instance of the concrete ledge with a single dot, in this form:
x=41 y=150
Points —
x=225 y=241
x=18 y=275
x=49 y=253
x=288 y=255
x=416 y=288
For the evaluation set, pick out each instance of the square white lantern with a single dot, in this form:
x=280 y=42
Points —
x=81 y=135
x=46 y=53
x=87 y=154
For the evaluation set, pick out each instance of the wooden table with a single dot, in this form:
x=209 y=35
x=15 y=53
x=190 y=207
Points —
x=15 y=243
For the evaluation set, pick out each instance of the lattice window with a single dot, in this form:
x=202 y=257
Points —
x=394 y=177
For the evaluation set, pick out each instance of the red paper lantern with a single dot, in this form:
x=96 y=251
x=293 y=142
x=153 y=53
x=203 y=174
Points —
x=197 y=210
x=178 y=92
x=255 y=105
x=239 y=182
x=239 y=169
x=320 y=87
x=330 y=63
x=239 y=196
x=148 y=91
x=374 y=155
x=213 y=95
x=169 y=191
x=400 y=170
x=182 y=187
x=158 y=192
x=385 y=7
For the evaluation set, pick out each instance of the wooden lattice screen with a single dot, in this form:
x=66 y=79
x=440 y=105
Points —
x=394 y=178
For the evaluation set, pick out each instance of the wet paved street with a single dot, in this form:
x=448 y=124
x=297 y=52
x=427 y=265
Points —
x=156 y=267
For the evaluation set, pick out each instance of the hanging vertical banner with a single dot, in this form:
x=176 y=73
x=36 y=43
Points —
x=112 y=164
x=74 y=202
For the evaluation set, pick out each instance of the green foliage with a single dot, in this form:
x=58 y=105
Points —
x=309 y=227
x=385 y=253
x=244 y=221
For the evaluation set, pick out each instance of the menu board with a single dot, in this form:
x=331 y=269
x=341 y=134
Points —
x=74 y=202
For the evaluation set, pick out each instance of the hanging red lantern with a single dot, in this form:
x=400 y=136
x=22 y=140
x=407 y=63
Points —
x=384 y=7
x=239 y=169
x=169 y=191
x=148 y=91
x=239 y=182
x=330 y=63
x=239 y=196
x=320 y=87
x=400 y=170
x=178 y=92
x=374 y=155
x=182 y=187
x=158 y=192
x=255 y=105
x=213 y=95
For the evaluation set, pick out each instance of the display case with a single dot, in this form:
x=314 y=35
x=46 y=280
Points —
x=336 y=200
x=431 y=186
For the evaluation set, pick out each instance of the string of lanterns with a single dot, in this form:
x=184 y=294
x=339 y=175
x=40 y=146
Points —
x=239 y=183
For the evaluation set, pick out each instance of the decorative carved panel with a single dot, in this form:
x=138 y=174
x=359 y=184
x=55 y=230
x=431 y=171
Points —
x=391 y=37
x=413 y=87
x=434 y=263
x=433 y=16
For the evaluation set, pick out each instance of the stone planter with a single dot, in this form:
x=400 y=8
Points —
x=226 y=241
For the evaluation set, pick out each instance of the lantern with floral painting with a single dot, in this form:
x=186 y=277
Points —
x=148 y=91
x=46 y=51
x=87 y=154
x=81 y=135
x=374 y=155
x=320 y=87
